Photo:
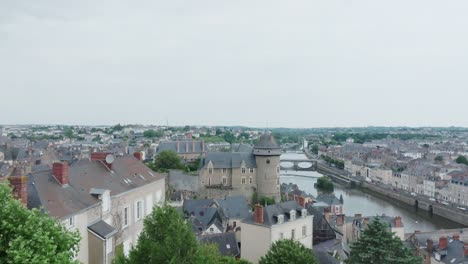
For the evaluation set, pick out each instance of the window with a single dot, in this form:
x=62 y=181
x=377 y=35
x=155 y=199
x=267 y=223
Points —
x=251 y=170
x=250 y=180
x=224 y=171
x=304 y=231
x=209 y=181
x=149 y=204
x=292 y=233
x=224 y=181
x=71 y=221
x=243 y=180
x=125 y=217
x=278 y=169
x=138 y=210
x=267 y=161
x=243 y=170
x=211 y=229
x=210 y=170
x=281 y=235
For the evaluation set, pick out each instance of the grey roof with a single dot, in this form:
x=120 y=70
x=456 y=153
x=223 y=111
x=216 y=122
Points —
x=226 y=243
x=329 y=199
x=267 y=141
x=229 y=159
x=271 y=212
x=102 y=229
x=61 y=201
x=184 y=146
x=241 y=148
x=203 y=217
x=234 y=207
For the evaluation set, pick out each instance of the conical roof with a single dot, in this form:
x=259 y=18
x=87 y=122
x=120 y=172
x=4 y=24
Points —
x=267 y=141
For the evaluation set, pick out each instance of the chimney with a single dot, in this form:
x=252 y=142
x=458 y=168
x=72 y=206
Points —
x=456 y=236
x=357 y=215
x=258 y=214
x=465 y=249
x=19 y=184
x=430 y=245
x=300 y=200
x=397 y=221
x=101 y=157
x=443 y=243
x=340 y=219
x=138 y=155
x=60 y=172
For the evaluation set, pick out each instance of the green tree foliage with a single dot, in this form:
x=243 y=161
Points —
x=263 y=200
x=439 y=158
x=152 y=134
x=378 y=244
x=167 y=238
x=338 y=163
x=30 y=236
x=288 y=251
x=68 y=133
x=462 y=160
x=229 y=137
x=167 y=160
x=314 y=149
x=325 y=185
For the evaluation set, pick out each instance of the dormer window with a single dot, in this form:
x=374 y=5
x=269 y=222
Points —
x=304 y=212
x=243 y=170
x=280 y=219
x=210 y=170
x=292 y=215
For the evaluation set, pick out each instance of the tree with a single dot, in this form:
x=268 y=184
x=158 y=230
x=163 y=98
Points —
x=462 y=160
x=167 y=160
x=325 y=185
x=378 y=244
x=68 y=133
x=152 y=133
x=314 y=149
x=30 y=236
x=439 y=158
x=229 y=137
x=167 y=238
x=288 y=251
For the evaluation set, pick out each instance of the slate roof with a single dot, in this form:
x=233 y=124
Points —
x=234 y=207
x=267 y=141
x=229 y=160
x=68 y=200
x=193 y=146
x=329 y=199
x=226 y=243
x=102 y=229
x=241 y=148
x=271 y=212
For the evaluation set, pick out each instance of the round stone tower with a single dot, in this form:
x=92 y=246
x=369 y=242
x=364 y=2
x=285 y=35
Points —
x=267 y=156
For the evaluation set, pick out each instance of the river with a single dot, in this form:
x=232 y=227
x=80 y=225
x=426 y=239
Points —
x=359 y=202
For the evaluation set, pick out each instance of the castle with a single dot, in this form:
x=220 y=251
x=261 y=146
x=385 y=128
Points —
x=243 y=171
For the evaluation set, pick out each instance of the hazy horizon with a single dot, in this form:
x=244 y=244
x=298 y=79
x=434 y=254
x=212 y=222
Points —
x=304 y=64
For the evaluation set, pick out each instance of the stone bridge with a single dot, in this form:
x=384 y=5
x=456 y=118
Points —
x=298 y=164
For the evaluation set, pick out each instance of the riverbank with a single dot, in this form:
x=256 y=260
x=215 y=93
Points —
x=418 y=203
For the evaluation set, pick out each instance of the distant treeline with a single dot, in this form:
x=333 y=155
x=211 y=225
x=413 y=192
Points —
x=367 y=137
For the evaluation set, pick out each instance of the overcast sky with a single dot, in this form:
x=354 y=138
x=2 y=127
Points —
x=256 y=63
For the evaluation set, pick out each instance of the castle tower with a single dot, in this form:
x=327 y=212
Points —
x=267 y=155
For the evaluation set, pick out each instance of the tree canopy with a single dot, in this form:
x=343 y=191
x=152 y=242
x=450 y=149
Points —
x=378 y=244
x=288 y=251
x=167 y=160
x=152 y=133
x=462 y=160
x=325 y=185
x=30 y=236
x=167 y=238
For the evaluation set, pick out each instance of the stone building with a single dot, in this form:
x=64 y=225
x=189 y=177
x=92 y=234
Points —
x=243 y=173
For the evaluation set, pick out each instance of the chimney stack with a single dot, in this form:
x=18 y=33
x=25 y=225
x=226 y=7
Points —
x=443 y=243
x=430 y=246
x=138 y=155
x=258 y=214
x=465 y=249
x=19 y=184
x=340 y=219
x=397 y=221
x=456 y=236
x=60 y=172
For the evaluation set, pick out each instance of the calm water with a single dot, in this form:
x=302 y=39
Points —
x=359 y=202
